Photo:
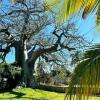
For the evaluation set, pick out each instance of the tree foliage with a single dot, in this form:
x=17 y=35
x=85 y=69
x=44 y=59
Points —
x=31 y=30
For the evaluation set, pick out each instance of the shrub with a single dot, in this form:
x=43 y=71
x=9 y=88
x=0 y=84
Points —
x=9 y=76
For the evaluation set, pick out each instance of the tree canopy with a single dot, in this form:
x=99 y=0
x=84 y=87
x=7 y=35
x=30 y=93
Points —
x=31 y=30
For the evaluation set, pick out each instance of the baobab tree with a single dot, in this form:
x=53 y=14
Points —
x=32 y=31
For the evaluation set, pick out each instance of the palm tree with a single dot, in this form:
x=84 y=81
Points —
x=68 y=8
x=86 y=77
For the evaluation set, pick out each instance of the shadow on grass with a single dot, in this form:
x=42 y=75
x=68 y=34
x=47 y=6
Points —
x=19 y=95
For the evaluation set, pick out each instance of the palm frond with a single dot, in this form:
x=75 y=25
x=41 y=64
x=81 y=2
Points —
x=89 y=6
x=98 y=16
x=86 y=78
x=91 y=53
x=13 y=1
x=67 y=8
x=51 y=5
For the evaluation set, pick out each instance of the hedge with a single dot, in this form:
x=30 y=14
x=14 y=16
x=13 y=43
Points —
x=61 y=89
x=54 y=88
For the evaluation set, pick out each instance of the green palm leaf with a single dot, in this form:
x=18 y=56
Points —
x=98 y=15
x=70 y=7
x=86 y=78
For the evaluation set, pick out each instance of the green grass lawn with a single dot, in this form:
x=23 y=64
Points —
x=30 y=94
x=34 y=94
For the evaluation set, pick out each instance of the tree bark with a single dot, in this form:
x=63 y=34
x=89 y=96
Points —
x=27 y=65
x=31 y=64
x=25 y=72
x=31 y=78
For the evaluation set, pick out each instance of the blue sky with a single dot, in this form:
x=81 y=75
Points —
x=87 y=27
x=10 y=58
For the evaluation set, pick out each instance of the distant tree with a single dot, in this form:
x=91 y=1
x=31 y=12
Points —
x=60 y=76
x=31 y=30
x=57 y=73
x=40 y=73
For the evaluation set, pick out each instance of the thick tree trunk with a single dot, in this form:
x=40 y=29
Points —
x=18 y=53
x=27 y=65
x=31 y=78
x=31 y=63
x=25 y=72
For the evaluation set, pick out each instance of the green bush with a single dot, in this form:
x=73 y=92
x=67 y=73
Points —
x=9 y=76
